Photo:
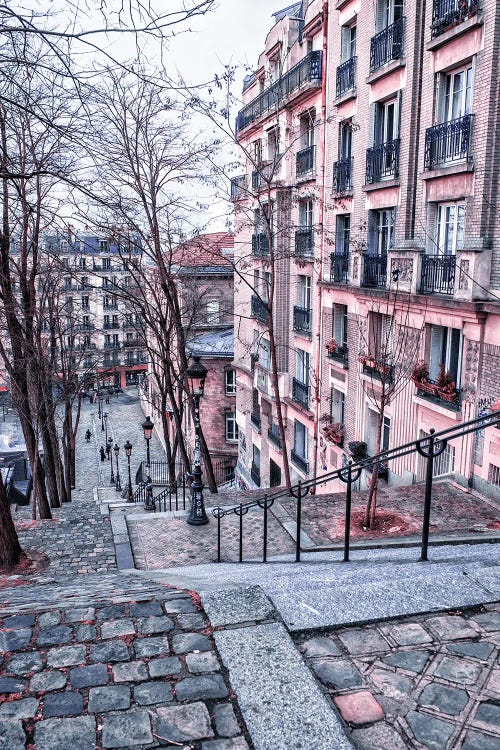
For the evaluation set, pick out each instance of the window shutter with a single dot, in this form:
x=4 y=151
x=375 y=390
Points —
x=346 y=43
x=373 y=115
x=397 y=114
x=338 y=315
x=380 y=17
x=454 y=356
x=436 y=351
x=439 y=102
x=372 y=233
x=387 y=336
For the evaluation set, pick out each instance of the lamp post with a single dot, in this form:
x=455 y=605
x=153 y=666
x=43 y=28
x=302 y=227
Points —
x=118 y=484
x=147 y=427
x=102 y=417
x=110 y=443
x=196 y=374
x=128 y=453
x=105 y=425
x=100 y=406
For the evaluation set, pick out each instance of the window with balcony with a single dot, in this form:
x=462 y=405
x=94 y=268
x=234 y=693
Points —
x=230 y=382
x=300 y=384
x=346 y=71
x=85 y=303
x=83 y=262
x=302 y=312
x=337 y=348
x=339 y=269
x=304 y=234
x=439 y=266
x=231 y=427
x=371 y=429
x=446 y=14
x=255 y=470
x=337 y=406
x=445 y=349
x=106 y=264
x=342 y=168
x=305 y=155
x=387 y=44
x=103 y=246
x=299 y=452
x=380 y=241
x=450 y=139
x=382 y=159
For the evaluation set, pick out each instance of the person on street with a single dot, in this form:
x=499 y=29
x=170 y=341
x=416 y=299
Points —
x=88 y=435
x=103 y=453
x=108 y=451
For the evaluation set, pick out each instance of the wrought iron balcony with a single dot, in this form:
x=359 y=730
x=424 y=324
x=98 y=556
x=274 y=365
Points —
x=256 y=420
x=306 y=73
x=110 y=326
x=238 y=185
x=430 y=391
x=339 y=354
x=382 y=161
x=374 y=270
x=345 y=77
x=339 y=268
x=448 y=142
x=300 y=393
x=84 y=327
x=274 y=436
x=300 y=462
x=133 y=343
x=438 y=274
x=304 y=161
x=302 y=318
x=342 y=175
x=387 y=45
x=449 y=13
x=378 y=369
x=262 y=176
x=304 y=242
x=259 y=309
x=260 y=244
x=110 y=305
x=255 y=474
x=112 y=345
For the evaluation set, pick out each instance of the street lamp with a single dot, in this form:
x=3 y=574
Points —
x=118 y=484
x=196 y=374
x=105 y=427
x=147 y=427
x=102 y=416
x=128 y=453
x=110 y=443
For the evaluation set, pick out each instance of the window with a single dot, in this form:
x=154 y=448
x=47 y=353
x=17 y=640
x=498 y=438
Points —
x=86 y=321
x=213 y=312
x=348 y=48
x=446 y=350
x=85 y=303
x=69 y=303
x=306 y=125
x=388 y=12
x=371 y=429
x=106 y=264
x=63 y=246
x=272 y=144
x=381 y=337
x=345 y=140
x=265 y=353
x=103 y=246
x=231 y=427
x=266 y=286
x=381 y=231
x=105 y=282
x=454 y=94
x=385 y=121
x=302 y=366
x=257 y=151
x=450 y=228
x=230 y=382
x=306 y=214
x=337 y=405
x=343 y=234
x=84 y=282
x=339 y=328
x=300 y=439
x=304 y=292
x=83 y=262
x=67 y=282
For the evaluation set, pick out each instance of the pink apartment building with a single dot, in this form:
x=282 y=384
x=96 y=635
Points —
x=370 y=132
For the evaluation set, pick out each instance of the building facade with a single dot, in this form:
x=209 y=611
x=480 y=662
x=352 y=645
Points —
x=387 y=286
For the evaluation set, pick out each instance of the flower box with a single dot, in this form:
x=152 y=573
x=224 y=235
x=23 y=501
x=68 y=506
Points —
x=425 y=386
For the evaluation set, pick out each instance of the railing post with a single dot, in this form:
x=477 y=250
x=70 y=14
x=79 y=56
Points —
x=241 y=533
x=427 y=499
x=348 y=503
x=218 y=537
x=298 y=522
x=264 y=552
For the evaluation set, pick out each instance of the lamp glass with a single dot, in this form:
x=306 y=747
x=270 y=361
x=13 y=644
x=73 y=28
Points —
x=128 y=448
x=116 y=448
x=147 y=426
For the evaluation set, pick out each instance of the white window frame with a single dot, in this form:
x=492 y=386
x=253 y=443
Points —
x=302 y=365
x=454 y=103
x=450 y=228
x=230 y=382
x=231 y=427
x=300 y=429
x=213 y=312
x=441 y=350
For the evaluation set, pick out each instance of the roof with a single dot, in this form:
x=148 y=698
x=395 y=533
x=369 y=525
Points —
x=205 y=250
x=290 y=10
x=216 y=344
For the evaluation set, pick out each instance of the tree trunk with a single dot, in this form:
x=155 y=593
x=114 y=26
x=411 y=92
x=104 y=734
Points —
x=50 y=465
x=10 y=549
x=371 y=503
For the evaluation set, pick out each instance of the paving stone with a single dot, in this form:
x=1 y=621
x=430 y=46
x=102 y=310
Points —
x=11 y=735
x=148 y=625
x=409 y=634
x=13 y=640
x=451 y=627
x=60 y=734
x=226 y=723
x=339 y=674
x=359 y=708
x=183 y=723
x=95 y=674
x=22 y=709
x=130 y=671
x=151 y=646
x=205 y=687
x=80 y=614
x=53 y=635
x=110 y=698
x=413 y=661
x=115 y=628
x=489 y=621
x=180 y=606
x=476 y=649
x=62 y=704
x=126 y=729
x=361 y=641
x=66 y=656
x=86 y=632
x=109 y=652
x=430 y=732
x=321 y=646
x=146 y=609
x=190 y=642
x=475 y=740
x=493 y=683
x=47 y=619
x=237 y=743
x=166 y=666
x=458 y=670
x=19 y=621
x=153 y=692
x=11 y=685
x=447 y=699
x=379 y=736
x=25 y=662
x=204 y=662
x=191 y=622
x=489 y=713
x=49 y=680
x=391 y=685
x=112 y=612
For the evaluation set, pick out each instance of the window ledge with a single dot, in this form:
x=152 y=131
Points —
x=341 y=4
x=306 y=177
x=445 y=170
x=384 y=70
x=446 y=411
x=337 y=196
x=345 y=97
x=306 y=413
x=368 y=187
x=453 y=33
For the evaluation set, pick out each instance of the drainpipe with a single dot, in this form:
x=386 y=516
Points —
x=319 y=348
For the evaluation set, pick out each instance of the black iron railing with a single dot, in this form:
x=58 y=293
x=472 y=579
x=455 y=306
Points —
x=339 y=354
x=302 y=317
x=256 y=420
x=300 y=393
x=300 y=462
x=304 y=241
x=224 y=471
x=346 y=77
x=387 y=45
x=255 y=474
x=274 y=436
x=382 y=161
x=260 y=244
x=238 y=187
x=438 y=274
x=374 y=270
x=304 y=161
x=448 y=142
x=379 y=371
x=449 y=13
x=429 y=448
x=259 y=309
x=339 y=268
x=306 y=72
x=342 y=175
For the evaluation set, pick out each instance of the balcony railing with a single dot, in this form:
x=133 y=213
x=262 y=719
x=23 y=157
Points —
x=238 y=185
x=339 y=354
x=110 y=306
x=300 y=393
x=378 y=370
x=375 y=270
x=449 y=13
x=387 y=45
x=259 y=309
x=345 y=77
x=430 y=391
x=255 y=474
x=438 y=274
x=382 y=161
x=133 y=343
x=84 y=327
x=339 y=268
x=112 y=345
x=342 y=175
x=274 y=437
x=262 y=175
x=299 y=461
x=304 y=161
x=260 y=244
x=307 y=71
x=448 y=142
x=302 y=318
x=304 y=242
x=256 y=420
x=110 y=326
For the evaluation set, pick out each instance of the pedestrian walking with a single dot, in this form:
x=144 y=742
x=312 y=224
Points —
x=108 y=451
x=88 y=435
x=107 y=398
x=103 y=453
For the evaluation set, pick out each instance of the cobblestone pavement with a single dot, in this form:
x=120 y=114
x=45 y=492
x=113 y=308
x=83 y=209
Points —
x=430 y=682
